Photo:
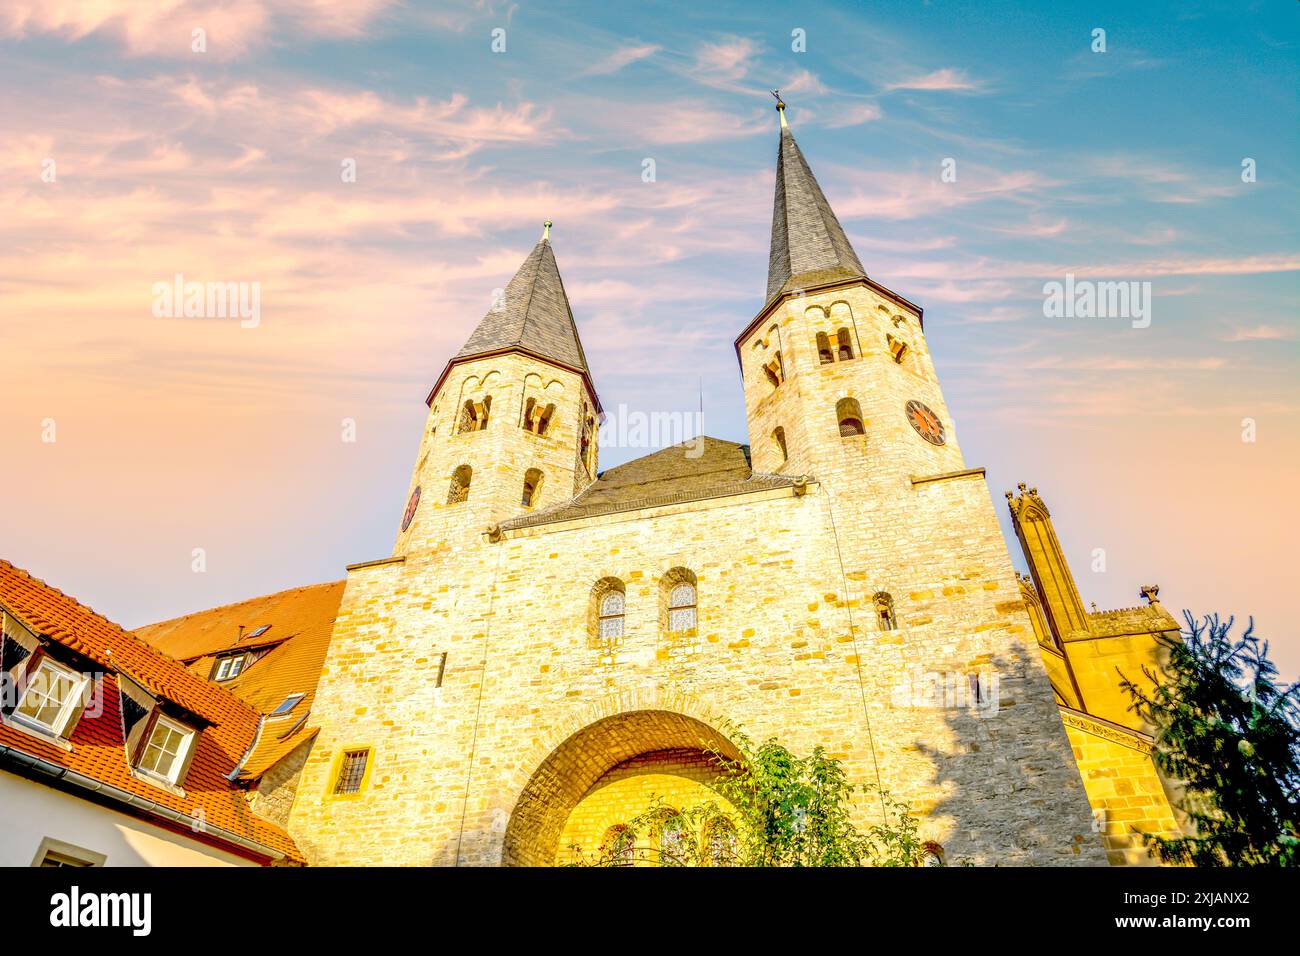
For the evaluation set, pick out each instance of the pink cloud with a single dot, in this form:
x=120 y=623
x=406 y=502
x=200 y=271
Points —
x=946 y=79
x=1260 y=333
x=165 y=27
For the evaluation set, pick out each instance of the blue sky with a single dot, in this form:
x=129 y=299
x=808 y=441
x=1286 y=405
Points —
x=225 y=165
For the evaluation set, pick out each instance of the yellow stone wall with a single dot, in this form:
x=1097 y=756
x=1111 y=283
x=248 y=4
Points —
x=787 y=644
x=673 y=779
x=1127 y=795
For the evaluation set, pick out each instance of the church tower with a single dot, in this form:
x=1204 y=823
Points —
x=513 y=417
x=837 y=375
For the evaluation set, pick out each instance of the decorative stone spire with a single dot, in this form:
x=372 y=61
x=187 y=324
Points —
x=809 y=246
x=532 y=314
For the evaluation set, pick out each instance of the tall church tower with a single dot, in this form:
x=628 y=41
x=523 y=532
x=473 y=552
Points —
x=512 y=423
x=837 y=375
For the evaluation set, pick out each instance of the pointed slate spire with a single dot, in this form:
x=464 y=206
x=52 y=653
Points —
x=808 y=244
x=534 y=314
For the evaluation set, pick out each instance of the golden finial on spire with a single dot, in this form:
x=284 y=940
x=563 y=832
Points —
x=546 y=231
x=780 y=108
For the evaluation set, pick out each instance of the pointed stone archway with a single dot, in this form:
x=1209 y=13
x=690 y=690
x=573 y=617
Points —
x=574 y=767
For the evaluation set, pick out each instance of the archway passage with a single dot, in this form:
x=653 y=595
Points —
x=628 y=758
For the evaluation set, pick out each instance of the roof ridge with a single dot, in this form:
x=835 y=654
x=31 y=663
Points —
x=230 y=604
x=197 y=682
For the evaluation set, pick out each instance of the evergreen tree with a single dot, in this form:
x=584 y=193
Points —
x=1228 y=732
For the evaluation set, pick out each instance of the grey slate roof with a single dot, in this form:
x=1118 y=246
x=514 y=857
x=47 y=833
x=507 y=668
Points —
x=534 y=315
x=690 y=471
x=808 y=244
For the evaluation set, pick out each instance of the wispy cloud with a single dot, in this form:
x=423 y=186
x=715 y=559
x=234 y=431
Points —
x=1260 y=333
x=947 y=79
x=622 y=57
x=166 y=27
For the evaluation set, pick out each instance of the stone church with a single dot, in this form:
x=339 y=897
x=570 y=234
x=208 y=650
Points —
x=549 y=646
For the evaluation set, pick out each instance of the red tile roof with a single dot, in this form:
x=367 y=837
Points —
x=97 y=741
x=301 y=621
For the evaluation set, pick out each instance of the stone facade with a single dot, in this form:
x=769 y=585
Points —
x=850 y=588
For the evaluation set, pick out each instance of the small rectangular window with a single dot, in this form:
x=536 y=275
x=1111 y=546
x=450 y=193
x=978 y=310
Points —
x=50 y=697
x=287 y=705
x=259 y=631
x=164 y=753
x=352 y=771
x=57 y=853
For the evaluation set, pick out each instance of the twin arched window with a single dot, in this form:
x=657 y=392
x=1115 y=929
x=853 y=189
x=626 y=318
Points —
x=849 y=414
x=839 y=349
x=608 y=607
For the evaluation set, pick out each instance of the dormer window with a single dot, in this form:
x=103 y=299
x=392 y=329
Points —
x=166 y=750
x=51 y=696
x=229 y=668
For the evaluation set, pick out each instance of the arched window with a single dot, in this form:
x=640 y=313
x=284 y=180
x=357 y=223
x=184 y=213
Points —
x=474 y=415
x=618 y=848
x=532 y=487
x=679 y=601
x=608 y=604
x=931 y=854
x=720 y=842
x=824 y=354
x=845 y=345
x=897 y=348
x=537 y=418
x=459 y=485
x=885 y=611
x=670 y=836
x=612 y=606
x=778 y=435
x=586 y=446
x=849 y=413
x=773 y=370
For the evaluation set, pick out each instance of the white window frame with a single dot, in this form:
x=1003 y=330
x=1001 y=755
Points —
x=66 y=708
x=225 y=665
x=187 y=741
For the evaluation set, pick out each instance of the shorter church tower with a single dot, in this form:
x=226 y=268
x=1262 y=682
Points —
x=512 y=420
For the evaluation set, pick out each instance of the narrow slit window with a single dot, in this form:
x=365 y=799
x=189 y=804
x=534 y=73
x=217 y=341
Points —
x=460 y=480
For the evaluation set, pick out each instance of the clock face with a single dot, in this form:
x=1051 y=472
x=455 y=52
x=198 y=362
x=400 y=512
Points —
x=925 y=422
x=410 y=508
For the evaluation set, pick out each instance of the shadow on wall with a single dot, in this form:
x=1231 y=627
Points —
x=1016 y=792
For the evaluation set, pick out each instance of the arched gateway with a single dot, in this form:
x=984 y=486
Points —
x=606 y=772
